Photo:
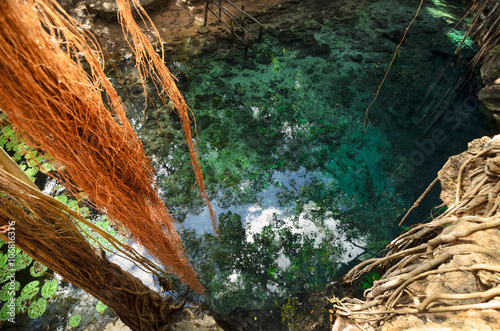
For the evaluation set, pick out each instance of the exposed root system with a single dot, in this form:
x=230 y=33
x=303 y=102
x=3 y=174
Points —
x=449 y=264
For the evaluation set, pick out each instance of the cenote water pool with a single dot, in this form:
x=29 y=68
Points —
x=301 y=183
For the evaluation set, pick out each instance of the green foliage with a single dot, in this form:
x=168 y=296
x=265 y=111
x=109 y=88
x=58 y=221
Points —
x=26 y=300
x=276 y=63
x=8 y=290
x=30 y=289
x=5 y=312
x=456 y=38
x=27 y=157
x=276 y=263
x=21 y=305
x=4 y=273
x=74 y=321
x=37 y=308
x=3 y=259
x=49 y=288
x=369 y=279
x=37 y=269
x=22 y=261
x=100 y=307
x=96 y=240
x=288 y=313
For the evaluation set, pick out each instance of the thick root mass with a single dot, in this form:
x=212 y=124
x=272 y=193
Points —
x=450 y=264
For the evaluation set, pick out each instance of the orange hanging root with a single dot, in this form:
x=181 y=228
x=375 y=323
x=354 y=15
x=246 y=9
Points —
x=396 y=52
x=59 y=108
x=150 y=64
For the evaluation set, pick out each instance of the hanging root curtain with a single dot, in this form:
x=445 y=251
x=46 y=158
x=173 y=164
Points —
x=485 y=28
x=45 y=229
x=75 y=116
x=450 y=264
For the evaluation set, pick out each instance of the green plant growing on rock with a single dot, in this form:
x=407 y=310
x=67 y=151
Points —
x=456 y=38
x=289 y=314
x=369 y=279
x=276 y=63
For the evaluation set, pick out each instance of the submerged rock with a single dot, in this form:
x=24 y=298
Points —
x=353 y=57
x=288 y=36
x=108 y=8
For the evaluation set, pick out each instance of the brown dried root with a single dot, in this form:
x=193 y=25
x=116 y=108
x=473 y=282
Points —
x=424 y=254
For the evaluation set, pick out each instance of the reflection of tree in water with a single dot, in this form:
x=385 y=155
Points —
x=274 y=264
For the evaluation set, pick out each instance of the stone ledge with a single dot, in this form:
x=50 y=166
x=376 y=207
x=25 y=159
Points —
x=108 y=8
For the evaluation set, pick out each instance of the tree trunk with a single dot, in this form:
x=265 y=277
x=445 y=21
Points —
x=45 y=229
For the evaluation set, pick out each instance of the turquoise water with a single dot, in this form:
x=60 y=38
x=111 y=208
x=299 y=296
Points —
x=302 y=183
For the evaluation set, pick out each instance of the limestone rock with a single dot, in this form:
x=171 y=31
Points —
x=450 y=278
x=490 y=96
x=490 y=69
x=207 y=323
x=449 y=173
x=194 y=318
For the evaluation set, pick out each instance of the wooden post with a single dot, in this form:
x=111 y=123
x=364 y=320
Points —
x=220 y=11
x=206 y=13
x=242 y=16
x=232 y=30
x=246 y=44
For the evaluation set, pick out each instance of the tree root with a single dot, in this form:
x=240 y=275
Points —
x=429 y=253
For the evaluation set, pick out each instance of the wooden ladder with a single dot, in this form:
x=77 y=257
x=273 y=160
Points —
x=235 y=20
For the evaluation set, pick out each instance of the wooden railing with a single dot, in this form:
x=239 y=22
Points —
x=235 y=20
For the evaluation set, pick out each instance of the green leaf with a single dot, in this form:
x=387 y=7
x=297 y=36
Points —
x=30 y=290
x=74 y=320
x=83 y=226
x=62 y=198
x=49 y=288
x=9 y=290
x=100 y=307
x=21 y=305
x=72 y=204
x=93 y=243
x=4 y=273
x=31 y=172
x=47 y=167
x=3 y=259
x=7 y=311
x=22 y=261
x=37 y=269
x=37 y=308
x=84 y=211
